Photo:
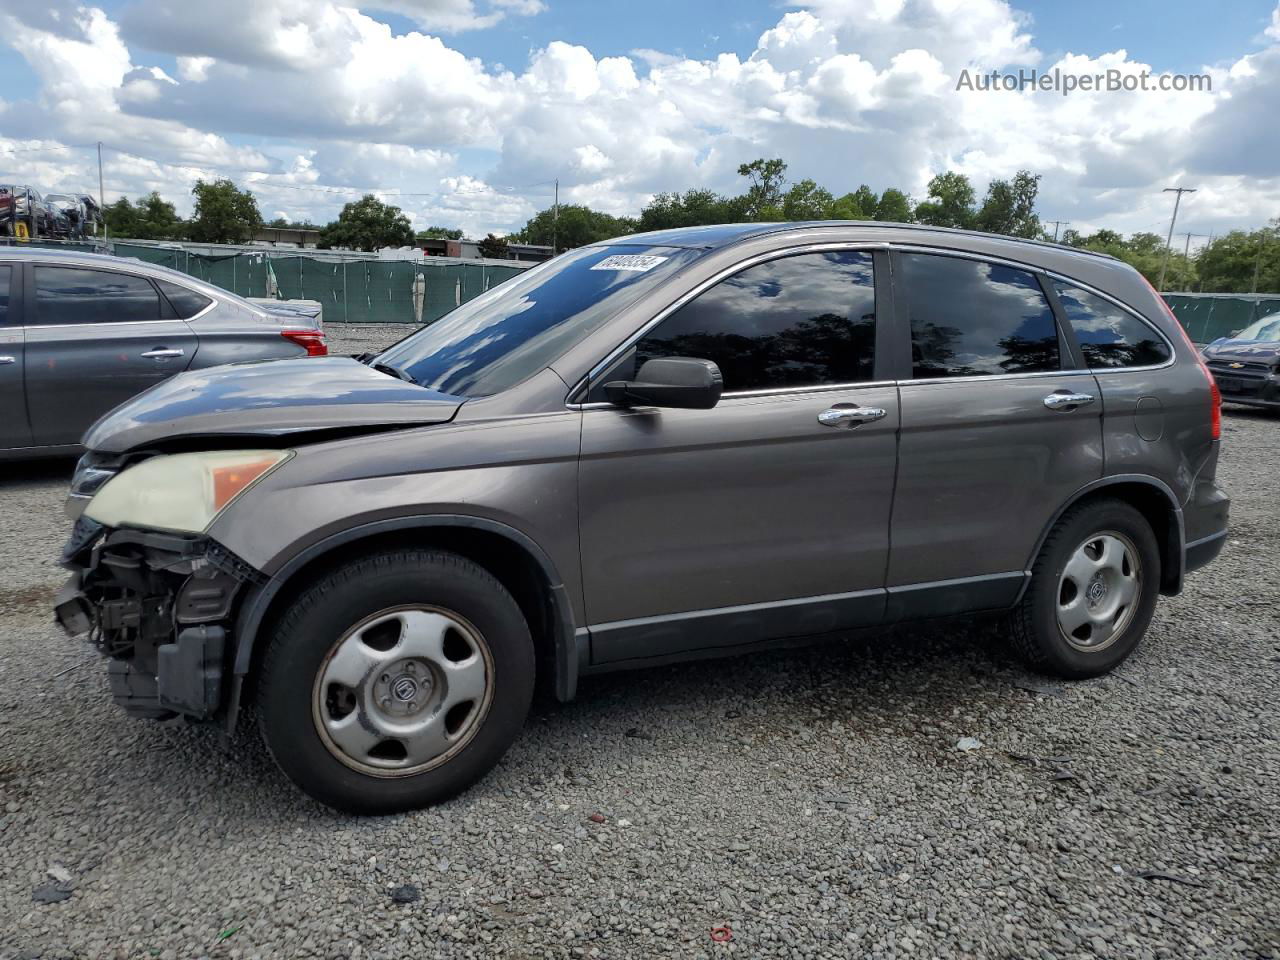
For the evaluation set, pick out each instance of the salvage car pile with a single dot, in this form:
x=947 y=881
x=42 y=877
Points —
x=60 y=216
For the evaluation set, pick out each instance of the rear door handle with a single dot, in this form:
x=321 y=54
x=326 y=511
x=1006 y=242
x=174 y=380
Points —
x=834 y=416
x=8 y=359
x=162 y=353
x=1067 y=401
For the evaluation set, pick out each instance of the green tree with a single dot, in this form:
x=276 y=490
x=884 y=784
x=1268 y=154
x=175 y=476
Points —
x=494 y=247
x=281 y=223
x=367 y=224
x=158 y=218
x=767 y=178
x=692 y=208
x=147 y=218
x=950 y=203
x=807 y=201
x=575 y=226
x=439 y=233
x=849 y=207
x=1010 y=207
x=121 y=219
x=894 y=206
x=1142 y=251
x=1229 y=263
x=223 y=213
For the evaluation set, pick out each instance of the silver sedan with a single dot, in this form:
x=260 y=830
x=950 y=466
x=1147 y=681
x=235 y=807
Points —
x=80 y=333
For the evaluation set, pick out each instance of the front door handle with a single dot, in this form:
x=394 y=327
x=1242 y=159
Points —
x=1067 y=401
x=834 y=416
x=162 y=353
x=8 y=359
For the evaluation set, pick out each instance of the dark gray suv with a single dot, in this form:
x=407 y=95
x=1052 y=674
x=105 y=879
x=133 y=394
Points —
x=670 y=445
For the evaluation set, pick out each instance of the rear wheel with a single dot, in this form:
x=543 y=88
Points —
x=396 y=681
x=1092 y=593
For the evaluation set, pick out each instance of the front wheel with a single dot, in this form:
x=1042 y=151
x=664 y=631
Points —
x=396 y=681
x=1092 y=593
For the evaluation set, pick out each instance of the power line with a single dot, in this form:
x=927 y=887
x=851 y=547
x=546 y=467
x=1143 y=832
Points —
x=1056 y=224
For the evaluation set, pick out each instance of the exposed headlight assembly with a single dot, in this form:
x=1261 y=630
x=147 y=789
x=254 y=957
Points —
x=182 y=492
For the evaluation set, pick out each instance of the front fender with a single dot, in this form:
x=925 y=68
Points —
x=258 y=600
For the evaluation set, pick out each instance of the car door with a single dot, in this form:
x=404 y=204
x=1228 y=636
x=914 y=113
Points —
x=766 y=516
x=1001 y=425
x=95 y=337
x=15 y=431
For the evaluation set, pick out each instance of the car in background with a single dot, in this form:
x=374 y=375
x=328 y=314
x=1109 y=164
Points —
x=1246 y=365
x=92 y=214
x=20 y=204
x=69 y=212
x=81 y=333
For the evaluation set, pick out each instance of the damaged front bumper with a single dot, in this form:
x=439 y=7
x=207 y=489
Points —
x=159 y=606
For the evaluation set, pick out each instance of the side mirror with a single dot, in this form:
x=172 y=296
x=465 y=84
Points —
x=682 y=382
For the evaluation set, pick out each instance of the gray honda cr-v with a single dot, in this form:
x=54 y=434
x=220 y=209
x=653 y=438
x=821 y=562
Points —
x=666 y=446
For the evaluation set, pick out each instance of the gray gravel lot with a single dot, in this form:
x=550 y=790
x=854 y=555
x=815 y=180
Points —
x=812 y=801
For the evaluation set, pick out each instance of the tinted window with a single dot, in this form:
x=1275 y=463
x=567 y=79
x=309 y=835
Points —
x=516 y=329
x=1109 y=336
x=4 y=294
x=971 y=318
x=73 y=295
x=185 y=300
x=797 y=321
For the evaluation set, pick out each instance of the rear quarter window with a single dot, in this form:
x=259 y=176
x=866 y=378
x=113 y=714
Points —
x=185 y=301
x=1110 y=337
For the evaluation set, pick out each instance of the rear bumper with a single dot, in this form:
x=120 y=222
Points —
x=1205 y=522
x=1201 y=552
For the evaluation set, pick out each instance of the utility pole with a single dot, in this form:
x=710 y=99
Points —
x=555 y=219
x=1207 y=244
x=1257 y=263
x=1178 y=192
x=102 y=200
x=1056 y=224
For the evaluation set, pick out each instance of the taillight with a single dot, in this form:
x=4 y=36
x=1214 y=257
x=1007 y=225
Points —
x=1215 y=395
x=311 y=340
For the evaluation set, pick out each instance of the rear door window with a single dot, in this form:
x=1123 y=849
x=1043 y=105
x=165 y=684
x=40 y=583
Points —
x=798 y=321
x=1109 y=337
x=973 y=318
x=5 y=280
x=66 y=295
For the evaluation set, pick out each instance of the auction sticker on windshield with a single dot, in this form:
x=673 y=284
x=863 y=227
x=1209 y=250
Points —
x=636 y=262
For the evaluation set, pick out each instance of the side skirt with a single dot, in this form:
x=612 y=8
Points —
x=724 y=631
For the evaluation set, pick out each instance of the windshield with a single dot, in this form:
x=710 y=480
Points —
x=1268 y=328
x=504 y=336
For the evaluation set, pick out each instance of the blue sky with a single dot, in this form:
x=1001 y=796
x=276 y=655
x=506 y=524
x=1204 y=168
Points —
x=460 y=110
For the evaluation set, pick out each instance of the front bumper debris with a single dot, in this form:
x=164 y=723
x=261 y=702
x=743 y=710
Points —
x=159 y=606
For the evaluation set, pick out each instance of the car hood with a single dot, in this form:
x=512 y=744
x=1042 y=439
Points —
x=269 y=398
x=1242 y=350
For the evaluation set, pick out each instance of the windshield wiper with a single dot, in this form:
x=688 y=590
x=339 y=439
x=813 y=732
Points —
x=368 y=359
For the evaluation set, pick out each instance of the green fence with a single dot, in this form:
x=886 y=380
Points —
x=1208 y=316
x=351 y=291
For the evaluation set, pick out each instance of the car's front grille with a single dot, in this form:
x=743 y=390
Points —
x=1240 y=368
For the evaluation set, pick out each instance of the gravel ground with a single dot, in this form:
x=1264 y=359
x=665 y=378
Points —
x=814 y=801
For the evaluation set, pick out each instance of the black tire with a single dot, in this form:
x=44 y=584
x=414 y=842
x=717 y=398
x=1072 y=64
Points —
x=1034 y=626
x=319 y=617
